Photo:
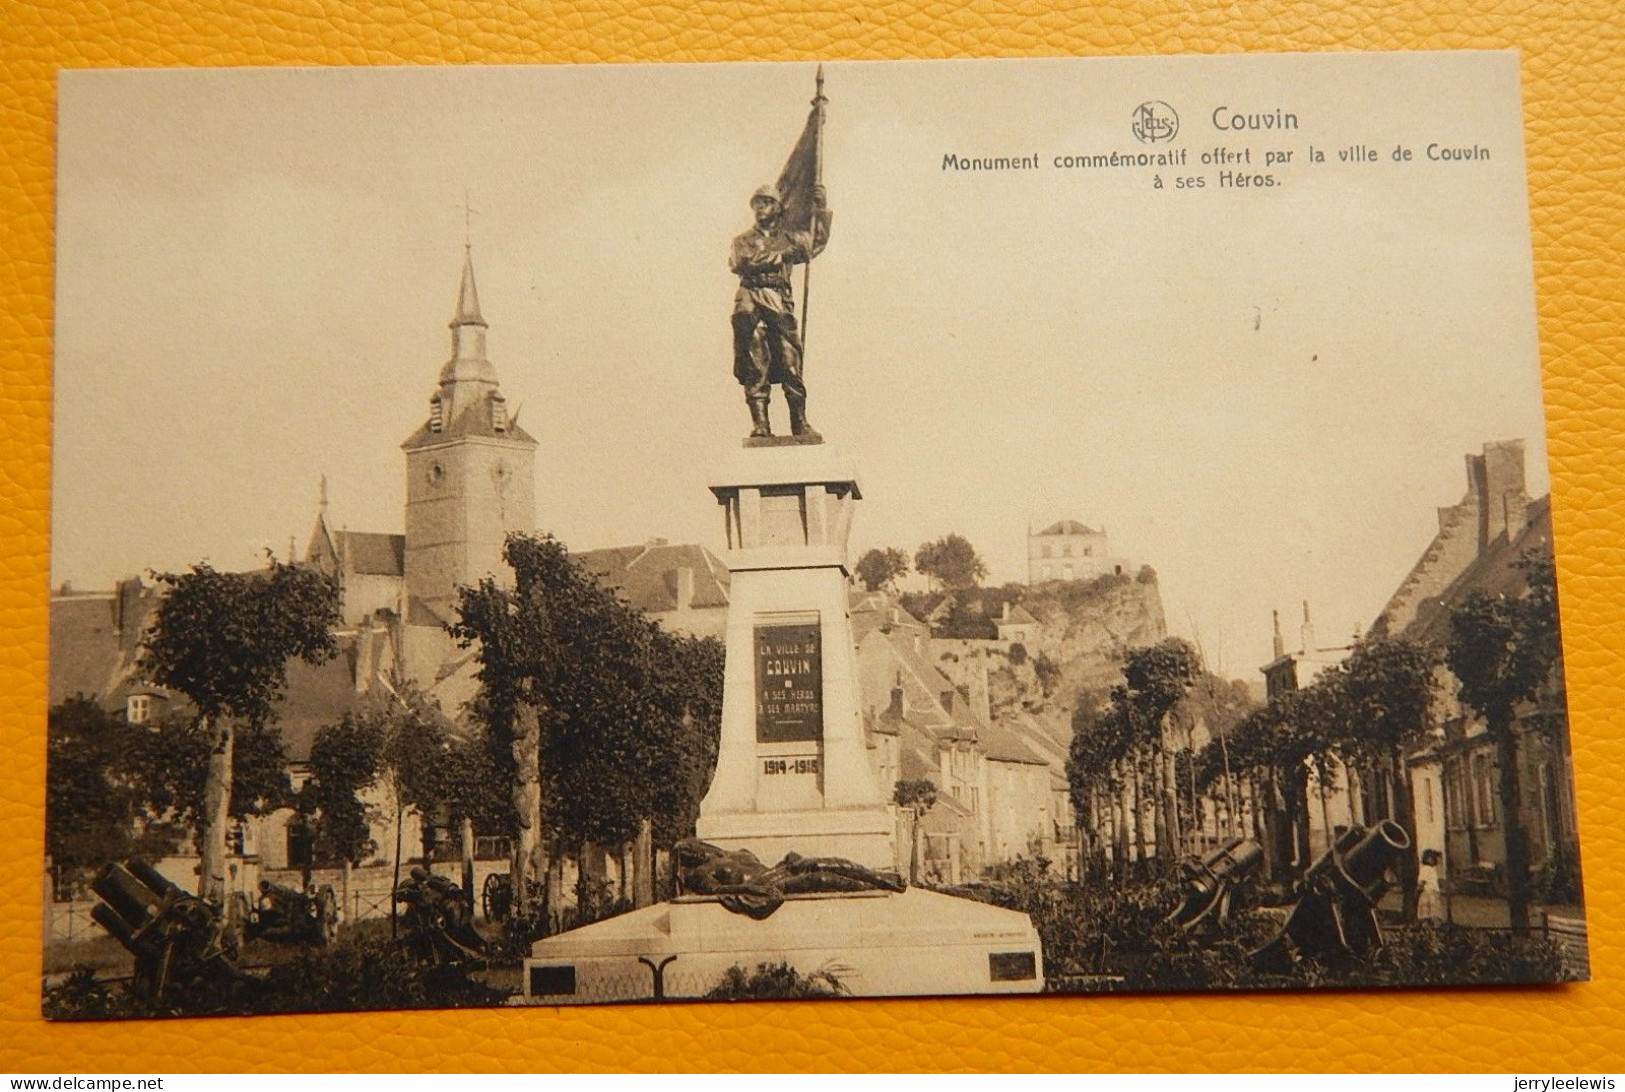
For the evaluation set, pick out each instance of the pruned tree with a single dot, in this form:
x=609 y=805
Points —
x=919 y=797
x=345 y=760
x=1503 y=650
x=950 y=561
x=1389 y=684
x=1155 y=680
x=589 y=705
x=96 y=800
x=223 y=640
x=880 y=568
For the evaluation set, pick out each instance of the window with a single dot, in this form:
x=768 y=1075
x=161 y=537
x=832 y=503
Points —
x=499 y=413
x=437 y=417
x=1427 y=798
x=138 y=708
x=1484 y=789
x=301 y=845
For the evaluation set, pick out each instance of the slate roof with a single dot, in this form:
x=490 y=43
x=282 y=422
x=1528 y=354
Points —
x=372 y=554
x=646 y=576
x=1068 y=527
x=1019 y=616
x=1495 y=571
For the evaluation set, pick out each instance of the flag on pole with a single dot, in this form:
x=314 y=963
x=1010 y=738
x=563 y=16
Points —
x=801 y=170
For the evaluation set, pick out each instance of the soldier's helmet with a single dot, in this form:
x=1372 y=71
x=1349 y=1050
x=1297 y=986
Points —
x=770 y=192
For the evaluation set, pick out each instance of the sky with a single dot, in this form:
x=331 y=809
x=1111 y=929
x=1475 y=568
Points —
x=1264 y=394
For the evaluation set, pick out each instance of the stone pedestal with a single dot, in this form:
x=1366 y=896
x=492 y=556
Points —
x=793 y=770
x=876 y=944
x=792 y=774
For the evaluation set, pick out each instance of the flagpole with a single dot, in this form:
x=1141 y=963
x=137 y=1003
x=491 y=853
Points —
x=818 y=178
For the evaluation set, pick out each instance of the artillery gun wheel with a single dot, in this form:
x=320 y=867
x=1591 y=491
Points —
x=496 y=897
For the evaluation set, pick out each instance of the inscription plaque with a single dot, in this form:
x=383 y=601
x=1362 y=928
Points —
x=789 y=684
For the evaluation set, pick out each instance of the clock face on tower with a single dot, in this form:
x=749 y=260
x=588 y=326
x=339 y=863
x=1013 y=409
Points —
x=436 y=474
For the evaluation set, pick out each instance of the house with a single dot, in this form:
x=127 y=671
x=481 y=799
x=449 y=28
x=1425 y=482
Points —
x=1479 y=548
x=1069 y=550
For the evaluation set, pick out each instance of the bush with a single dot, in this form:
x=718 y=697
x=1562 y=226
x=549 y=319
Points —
x=775 y=982
x=1441 y=954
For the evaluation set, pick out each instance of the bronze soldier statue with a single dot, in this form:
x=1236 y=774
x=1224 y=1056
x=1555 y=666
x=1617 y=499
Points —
x=767 y=345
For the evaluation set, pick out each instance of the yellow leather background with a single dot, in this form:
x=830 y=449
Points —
x=1574 y=73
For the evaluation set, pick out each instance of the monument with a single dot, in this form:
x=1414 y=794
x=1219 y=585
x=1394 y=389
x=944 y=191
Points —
x=793 y=783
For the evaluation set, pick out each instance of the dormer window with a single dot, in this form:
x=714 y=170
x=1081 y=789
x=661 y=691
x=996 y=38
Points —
x=499 y=413
x=437 y=414
x=138 y=708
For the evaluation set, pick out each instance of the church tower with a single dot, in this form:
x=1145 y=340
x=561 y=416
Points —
x=470 y=474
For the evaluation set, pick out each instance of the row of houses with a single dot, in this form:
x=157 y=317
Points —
x=1453 y=773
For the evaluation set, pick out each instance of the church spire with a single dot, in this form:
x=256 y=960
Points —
x=468 y=332
x=468 y=296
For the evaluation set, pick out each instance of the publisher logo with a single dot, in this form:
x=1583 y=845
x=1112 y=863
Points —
x=1154 y=122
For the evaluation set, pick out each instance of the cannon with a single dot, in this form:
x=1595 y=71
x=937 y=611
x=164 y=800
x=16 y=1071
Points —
x=439 y=926
x=1210 y=884
x=178 y=940
x=289 y=915
x=1335 y=918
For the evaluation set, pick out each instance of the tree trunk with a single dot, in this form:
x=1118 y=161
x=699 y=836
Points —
x=1162 y=818
x=527 y=804
x=1325 y=805
x=643 y=865
x=1404 y=811
x=914 y=845
x=1298 y=806
x=1517 y=846
x=1120 y=842
x=1356 y=797
x=216 y=811
x=400 y=822
x=1137 y=816
x=1089 y=838
x=468 y=864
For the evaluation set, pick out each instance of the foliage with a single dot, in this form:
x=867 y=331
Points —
x=169 y=761
x=224 y=639
x=1115 y=937
x=356 y=973
x=1441 y=954
x=880 y=568
x=775 y=982
x=919 y=796
x=344 y=761
x=365 y=973
x=1048 y=673
x=92 y=791
x=446 y=774
x=630 y=713
x=1388 y=684
x=951 y=561
x=1503 y=648
x=81 y=996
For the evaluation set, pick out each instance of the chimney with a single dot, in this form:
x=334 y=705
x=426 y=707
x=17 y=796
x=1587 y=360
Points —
x=895 y=709
x=1307 y=634
x=1280 y=644
x=685 y=588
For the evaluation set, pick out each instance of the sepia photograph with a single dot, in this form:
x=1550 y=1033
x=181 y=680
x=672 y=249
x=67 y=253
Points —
x=536 y=536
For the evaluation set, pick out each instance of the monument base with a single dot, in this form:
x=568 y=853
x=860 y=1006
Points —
x=875 y=944
x=863 y=835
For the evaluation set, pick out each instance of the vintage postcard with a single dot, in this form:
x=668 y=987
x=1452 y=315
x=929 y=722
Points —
x=538 y=536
